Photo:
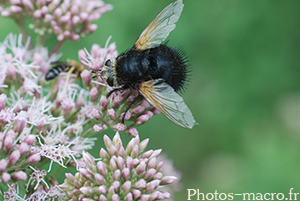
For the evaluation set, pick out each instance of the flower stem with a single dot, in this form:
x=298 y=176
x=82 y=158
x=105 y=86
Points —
x=56 y=48
x=20 y=22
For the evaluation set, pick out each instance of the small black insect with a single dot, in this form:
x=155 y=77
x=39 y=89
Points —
x=156 y=70
x=62 y=66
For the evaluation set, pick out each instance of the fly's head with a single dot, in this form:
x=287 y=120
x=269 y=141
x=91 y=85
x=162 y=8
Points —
x=108 y=73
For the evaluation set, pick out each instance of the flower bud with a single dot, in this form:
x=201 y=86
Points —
x=116 y=175
x=102 y=189
x=107 y=141
x=154 y=195
x=86 y=173
x=135 y=151
x=3 y=165
x=14 y=156
x=96 y=113
x=103 y=102
x=116 y=185
x=94 y=94
x=167 y=180
x=149 y=174
x=120 y=162
x=129 y=197
x=112 y=150
x=144 y=197
x=115 y=197
x=143 y=145
x=99 y=178
x=152 y=162
x=122 y=152
x=140 y=184
x=147 y=154
x=125 y=173
x=34 y=158
x=156 y=153
x=136 y=193
x=19 y=125
x=141 y=168
x=158 y=175
x=111 y=191
x=111 y=113
x=103 y=154
x=113 y=164
x=23 y=148
x=19 y=175
x=5 y=177
x=89 y=161
x=142 y=119
x=70 y=177
x=88 y=191
x=30 y=139
x=102 y=198
x=127 y=116
x=159 y=166
x=129 y=163
x=119 y=127
x=117 y=101
x=133 y=132
x=152 y=185
x=138 y=109
x=126 y=186
x=8 y=142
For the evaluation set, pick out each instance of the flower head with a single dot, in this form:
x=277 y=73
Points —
x=46 y=122
x=35 y=125
x=123 y=173
x=69 y=20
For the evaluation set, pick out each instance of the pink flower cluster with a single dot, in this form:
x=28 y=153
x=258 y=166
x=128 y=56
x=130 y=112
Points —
x=45 y=122
x=68 y=19
x=53 y=193
x=121 y=174
x=31 y=129
x=16 y=148
x=23 y=67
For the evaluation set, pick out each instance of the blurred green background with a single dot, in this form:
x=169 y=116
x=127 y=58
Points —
x=244 y=91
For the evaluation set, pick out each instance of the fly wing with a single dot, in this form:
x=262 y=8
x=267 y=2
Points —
x=63 y=65
x=163 y=97
x=59 y=63
x=159 y=29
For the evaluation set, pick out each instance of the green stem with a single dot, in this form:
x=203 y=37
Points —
x=57 y=171
x=21 y=24
x=56 y=47
x=2 y=187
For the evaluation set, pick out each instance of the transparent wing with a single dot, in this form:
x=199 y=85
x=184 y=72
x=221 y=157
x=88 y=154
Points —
x=163 y=97
x=60 y=63
x=159 y=29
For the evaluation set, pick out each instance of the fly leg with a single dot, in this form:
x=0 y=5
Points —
x=70 y=72
x=137 y=98
x=116 y=89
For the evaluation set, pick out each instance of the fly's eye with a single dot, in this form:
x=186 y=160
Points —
x=108 y=62
x=110 y=81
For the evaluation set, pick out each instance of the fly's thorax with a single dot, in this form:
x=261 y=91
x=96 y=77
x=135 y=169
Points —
x=108 y=73
x=130 y=69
